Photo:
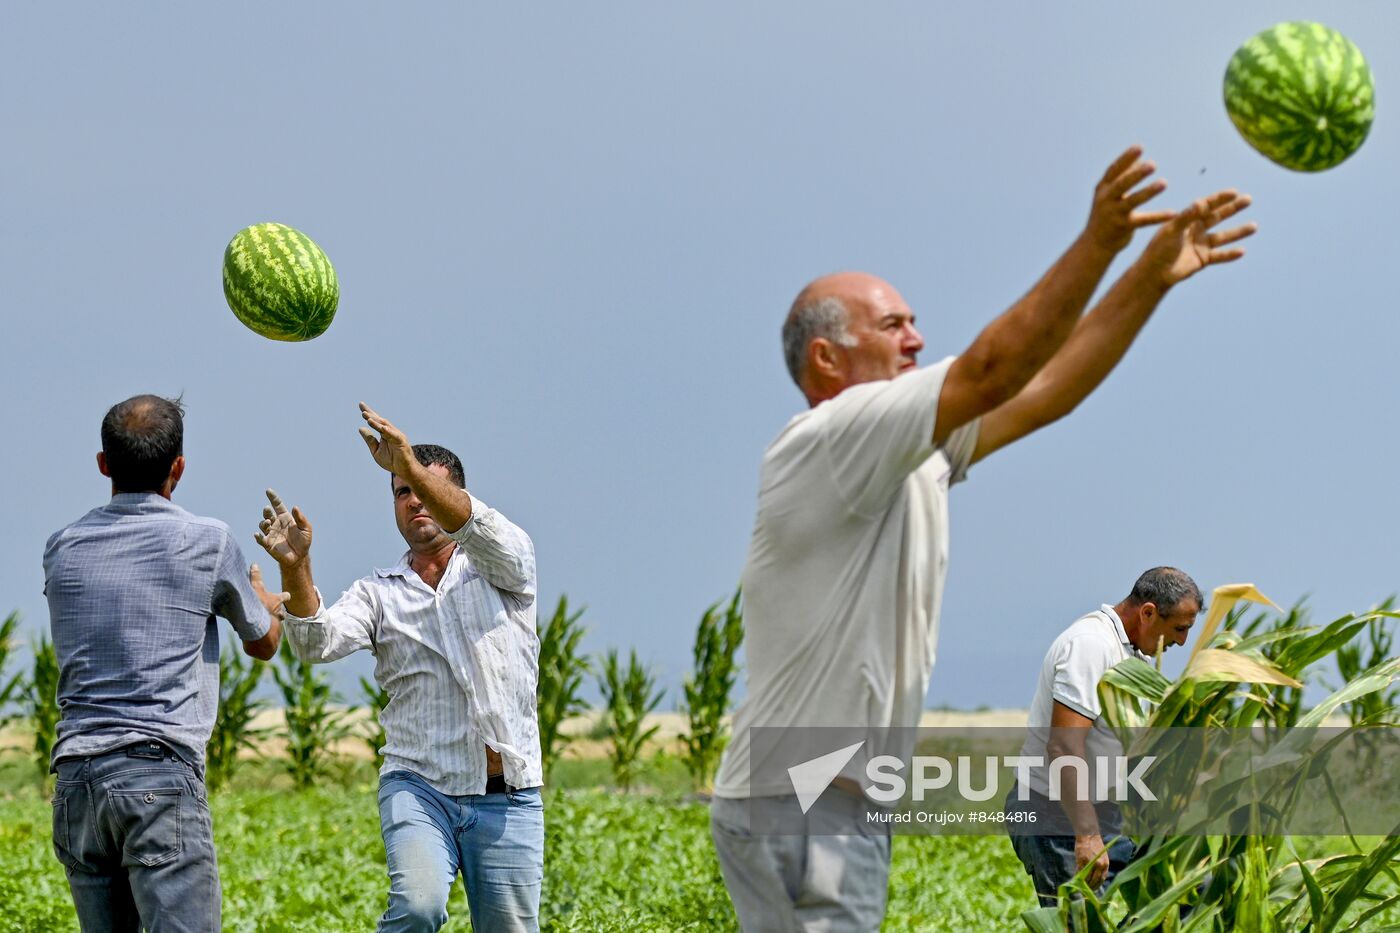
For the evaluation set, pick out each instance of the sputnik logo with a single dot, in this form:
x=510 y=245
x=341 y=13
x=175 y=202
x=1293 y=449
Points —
x=810 y=778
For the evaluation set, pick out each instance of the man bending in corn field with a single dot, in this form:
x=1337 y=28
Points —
x=1063 y=836
x=844 y=576
x=452 y=629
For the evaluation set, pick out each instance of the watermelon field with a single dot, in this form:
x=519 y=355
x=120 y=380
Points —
x=312 y=860
x=565 y=241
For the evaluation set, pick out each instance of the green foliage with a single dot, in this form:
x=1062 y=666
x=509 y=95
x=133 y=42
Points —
x=707 y=689
x=314 y=723
x=374 y=735
x=41 y=704
x=1354 y=658
x=233 y=727
x=1265 y=635
x=612 y=863
x=10 y=690
x=1253 y=880
x=628 y=697
x=562 y=667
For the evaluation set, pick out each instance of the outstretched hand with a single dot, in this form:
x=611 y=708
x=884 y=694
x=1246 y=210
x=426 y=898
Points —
x=1188 y=242
x=391 y=449
x=1114 y=215
x=285 y=535
x=272 y=602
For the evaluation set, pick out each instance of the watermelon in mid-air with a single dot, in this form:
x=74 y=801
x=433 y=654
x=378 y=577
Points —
x=279 y=283
x=1301 y=94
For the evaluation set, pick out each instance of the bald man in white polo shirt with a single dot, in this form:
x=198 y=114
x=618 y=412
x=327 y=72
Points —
x=844 y=577
x=1064 y=722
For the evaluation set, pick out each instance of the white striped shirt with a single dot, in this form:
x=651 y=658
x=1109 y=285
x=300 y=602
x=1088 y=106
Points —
x=460 y=663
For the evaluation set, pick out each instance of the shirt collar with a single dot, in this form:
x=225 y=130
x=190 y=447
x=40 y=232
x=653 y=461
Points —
x=141 y=503
x=1112 y=614
x=404 y=569
x=401 y=569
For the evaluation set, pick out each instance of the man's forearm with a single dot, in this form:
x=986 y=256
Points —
x=1096 y=345
x=297 y=582
x=448 y=504
x=1077 y=806
x=1014 y=347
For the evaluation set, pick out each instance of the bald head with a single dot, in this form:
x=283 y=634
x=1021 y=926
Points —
x=141 y=439
x=847 y=328
x=850 y=288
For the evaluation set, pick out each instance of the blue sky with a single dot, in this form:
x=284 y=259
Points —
x=567 y=236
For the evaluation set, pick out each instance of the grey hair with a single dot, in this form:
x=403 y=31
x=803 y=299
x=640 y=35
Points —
x=826 y=318
x=1165 y=587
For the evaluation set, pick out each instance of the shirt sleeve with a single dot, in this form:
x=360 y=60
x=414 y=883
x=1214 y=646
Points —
x=502 y=553
x=233 y=597
x=331 y=634
x=1078 y=671
x=959 y=448
x=877 y=433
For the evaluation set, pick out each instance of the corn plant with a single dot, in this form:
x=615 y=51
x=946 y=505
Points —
x=233 y=727
x=628 y=697
x=374 y=735
x=10 y=690
x=707 y=689
x=562 y=668
x=1285 y=700
x=41 y=703
x=1353 y=658
x=1251 y=880
x=314 y=723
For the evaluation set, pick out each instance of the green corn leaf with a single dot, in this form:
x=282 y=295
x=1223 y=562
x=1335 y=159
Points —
x=1316 y=900
x=1362 y=923
x=1299 y=654
x=1043 y=920
x=1377 y=678
x=1151 y=914
x=1138 y=678
x=1355 y=884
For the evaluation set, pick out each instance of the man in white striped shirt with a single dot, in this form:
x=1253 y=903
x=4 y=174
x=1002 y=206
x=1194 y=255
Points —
x=452 y=629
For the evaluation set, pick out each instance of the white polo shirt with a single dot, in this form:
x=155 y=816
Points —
x=1070 y=673
x=844 y=577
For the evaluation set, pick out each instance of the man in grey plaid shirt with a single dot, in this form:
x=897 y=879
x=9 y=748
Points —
x=133 y=588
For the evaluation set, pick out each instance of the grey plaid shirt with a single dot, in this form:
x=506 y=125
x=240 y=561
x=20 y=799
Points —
x=459 y=662
x=133 y=589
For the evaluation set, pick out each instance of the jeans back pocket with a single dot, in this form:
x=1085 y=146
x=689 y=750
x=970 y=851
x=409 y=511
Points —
x=62 y=844
x=150 y=822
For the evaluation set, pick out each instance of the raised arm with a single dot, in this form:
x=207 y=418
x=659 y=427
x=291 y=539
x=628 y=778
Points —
x=1184 y=246
x=1014 y=347
x=316 y=634
x=446 y=502
x=286 y=536
x=241 y=598
x=501 y=551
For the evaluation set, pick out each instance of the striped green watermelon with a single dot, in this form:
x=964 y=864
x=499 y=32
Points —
x=1301 y=94
x=279 y=283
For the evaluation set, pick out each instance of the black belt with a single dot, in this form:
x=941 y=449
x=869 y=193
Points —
x=496 y=784
x=157 y=751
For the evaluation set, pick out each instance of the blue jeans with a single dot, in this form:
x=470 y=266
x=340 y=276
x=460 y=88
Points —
x=495 y=840
x=133 y=832
x=1049 y=859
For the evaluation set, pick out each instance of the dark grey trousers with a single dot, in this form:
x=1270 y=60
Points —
x=133 y=832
